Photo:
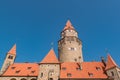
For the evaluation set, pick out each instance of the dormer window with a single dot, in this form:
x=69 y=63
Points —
x=33 y=71
x=17 y=71
x=69 y=74
x=12 y=67
x=29 y=67
x=10 y=57
x=98 y=68
x=90 y=74
x=63 y=68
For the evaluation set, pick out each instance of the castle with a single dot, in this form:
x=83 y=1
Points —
x=68 y=66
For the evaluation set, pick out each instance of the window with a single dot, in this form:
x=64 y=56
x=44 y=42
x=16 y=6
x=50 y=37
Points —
x=41 y=75
x=12 y=67
x=75 y=60
x=112 y=73
x=69 y=74
x=90 y=74
x=50 y=78
x=63 y=68
x=17 y=71
x=29 y=67
x=78 y=68
x=10 y=57
x=32 y=71
x=98 y=68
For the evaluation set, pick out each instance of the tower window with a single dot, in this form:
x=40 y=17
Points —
x=69 y=74
x=10 y=57
x=75 y=59
x=50 y=78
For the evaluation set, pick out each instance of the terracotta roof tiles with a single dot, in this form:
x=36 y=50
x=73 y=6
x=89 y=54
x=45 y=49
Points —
x=110 y=62
x=50 y=57
x=88 y=70
x=22 y=69
x=12 y=50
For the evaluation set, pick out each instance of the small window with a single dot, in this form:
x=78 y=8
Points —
x=75 y=60
x=10 y=57
x=17 y=71
x=32 y=71
x=50 y=78
x=98 y=68
x=63 y=68
x=12 y=67
x=112 y=73
x=90 y=74
x=29 y=67
x=69 y=74
x=78 y=68
x=41 y=75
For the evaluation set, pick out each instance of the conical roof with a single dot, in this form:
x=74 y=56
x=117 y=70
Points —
x=110 y=63
x=12 y=50
x=50 y=57
x=68 y=25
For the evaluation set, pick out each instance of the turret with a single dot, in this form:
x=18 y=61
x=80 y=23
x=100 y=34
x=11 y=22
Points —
x=10 y=57
x=112 y=69
x=70 y=46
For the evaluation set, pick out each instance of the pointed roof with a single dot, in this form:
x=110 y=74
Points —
x=13 y=50
x=50 y=57
x=68 y=25
x=110 y=62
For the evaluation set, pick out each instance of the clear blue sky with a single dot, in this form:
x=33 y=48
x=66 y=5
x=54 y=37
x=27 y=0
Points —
x=34 y=24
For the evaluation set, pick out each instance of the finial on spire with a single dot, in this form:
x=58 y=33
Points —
x=13 y=50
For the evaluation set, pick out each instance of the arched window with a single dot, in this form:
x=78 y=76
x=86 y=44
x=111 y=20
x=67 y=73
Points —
x=33 y=79
x=23 y=79
x=13 y=79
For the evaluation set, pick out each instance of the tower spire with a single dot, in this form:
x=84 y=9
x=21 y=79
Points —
x=110 y=62
x=13 y=50
x=68 y=25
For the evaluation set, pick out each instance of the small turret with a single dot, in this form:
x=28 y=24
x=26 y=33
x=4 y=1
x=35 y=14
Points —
x=10 y=57
x=112 y=68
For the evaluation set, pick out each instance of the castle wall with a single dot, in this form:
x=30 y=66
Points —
x=49 y=72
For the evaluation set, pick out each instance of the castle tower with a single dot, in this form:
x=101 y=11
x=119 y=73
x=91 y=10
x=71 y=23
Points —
x=113 y=71
x=49 y=67
x=69 y=46
x=10 y=57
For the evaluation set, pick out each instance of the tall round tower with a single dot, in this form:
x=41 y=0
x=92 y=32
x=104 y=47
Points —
x=69 y=46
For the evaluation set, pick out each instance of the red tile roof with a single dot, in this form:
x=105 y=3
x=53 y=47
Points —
x=110 y=62
x=50 y=57
x=22 y=69
x=89 y=70
x=68 y=25
x=13 y=50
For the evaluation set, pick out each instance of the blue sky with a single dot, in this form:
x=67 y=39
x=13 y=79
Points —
x=34 y=24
